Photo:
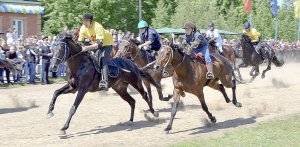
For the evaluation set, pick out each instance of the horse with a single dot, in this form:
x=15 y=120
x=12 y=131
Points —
x=84 y=76
x=190 y=76
x=252 y=58
x=129 y=49
x=230 y=54
x=14 y=65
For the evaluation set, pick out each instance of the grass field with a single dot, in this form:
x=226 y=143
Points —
x=16 y=85
x=281 y=132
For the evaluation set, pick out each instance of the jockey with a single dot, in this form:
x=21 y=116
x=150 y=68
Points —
x=150 y=39
x=255 y=39
x=199 y=46
x=102 y=41
x=214 y=34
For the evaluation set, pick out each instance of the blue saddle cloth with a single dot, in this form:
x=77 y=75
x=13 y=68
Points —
x=117 y=64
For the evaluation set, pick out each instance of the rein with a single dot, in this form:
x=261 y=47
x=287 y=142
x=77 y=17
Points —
x=66 y=52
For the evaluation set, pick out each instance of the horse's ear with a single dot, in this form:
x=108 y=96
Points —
x=171 y=42
x=68 y=34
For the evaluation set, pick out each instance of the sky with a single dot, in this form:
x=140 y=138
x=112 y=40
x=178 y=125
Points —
x=279 y=2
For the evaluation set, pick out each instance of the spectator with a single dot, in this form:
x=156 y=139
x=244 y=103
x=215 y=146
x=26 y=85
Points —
x=45 y=54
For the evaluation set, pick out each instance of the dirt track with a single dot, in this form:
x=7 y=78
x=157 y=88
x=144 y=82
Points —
x=97 y=121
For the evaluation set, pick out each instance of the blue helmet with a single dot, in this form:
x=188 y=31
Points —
x=247 y=25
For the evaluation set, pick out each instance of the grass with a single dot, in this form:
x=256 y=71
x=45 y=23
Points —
x=17 y=85
x=284 y=132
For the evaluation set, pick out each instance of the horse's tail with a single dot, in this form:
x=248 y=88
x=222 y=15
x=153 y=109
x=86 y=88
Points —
x=275 y=59
x=277 y=62
x=146 y=76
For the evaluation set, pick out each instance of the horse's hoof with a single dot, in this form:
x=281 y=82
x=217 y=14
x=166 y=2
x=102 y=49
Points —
x=263 y=76
x=213 y=119
x=128 y=123
x=182 y=94
x=167 y=131
x=62 y=132
x=238 y=104
x=155 y=114
x=50 y=114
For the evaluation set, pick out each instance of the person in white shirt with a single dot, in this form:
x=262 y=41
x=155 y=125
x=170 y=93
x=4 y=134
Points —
x=214 y=34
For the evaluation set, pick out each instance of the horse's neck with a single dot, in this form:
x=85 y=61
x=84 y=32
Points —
x=76 y=59
x=140 y=58
x=181 y=64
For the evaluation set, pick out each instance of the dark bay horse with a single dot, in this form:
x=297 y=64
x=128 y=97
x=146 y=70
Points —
x=129 y=49
x=84 y=77
x=190 y=76
x=252 y=58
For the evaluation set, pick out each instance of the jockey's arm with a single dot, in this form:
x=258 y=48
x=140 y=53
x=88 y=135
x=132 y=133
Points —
x=147 y=43
x=196 y=43
x=90 y=47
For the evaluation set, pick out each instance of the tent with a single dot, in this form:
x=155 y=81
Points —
x=181 y=31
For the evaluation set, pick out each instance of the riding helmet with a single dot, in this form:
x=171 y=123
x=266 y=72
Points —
x=247 y=25
x=142 y=24
x=190 y=25
x=211 y=24
x=87 y=16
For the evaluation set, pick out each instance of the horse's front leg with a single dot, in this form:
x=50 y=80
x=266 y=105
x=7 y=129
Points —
x=176 y=97
x=81 y=92
x=64 y=90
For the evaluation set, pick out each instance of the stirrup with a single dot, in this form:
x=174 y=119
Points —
x=209 y=75
x=103 y=84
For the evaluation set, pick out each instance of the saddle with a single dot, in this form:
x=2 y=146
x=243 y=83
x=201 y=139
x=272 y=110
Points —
x=113 y=69
x=201 y=58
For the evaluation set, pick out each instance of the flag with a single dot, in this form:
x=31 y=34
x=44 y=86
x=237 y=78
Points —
x=247 y=6
x=274 y=7
x=297 y=8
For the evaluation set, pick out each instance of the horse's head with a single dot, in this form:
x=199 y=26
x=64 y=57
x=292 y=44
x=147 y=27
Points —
x=164 y=58
x=60 y=50
x=245 y=39
x=128 y=48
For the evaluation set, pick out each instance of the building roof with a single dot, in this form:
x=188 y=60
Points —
x=21 y=2
x=25 y=7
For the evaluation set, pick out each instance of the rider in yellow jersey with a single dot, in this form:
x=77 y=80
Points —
x=255 y=39
x=102 y=41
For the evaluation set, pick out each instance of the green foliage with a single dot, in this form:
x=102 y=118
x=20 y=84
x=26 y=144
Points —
x=123 y=15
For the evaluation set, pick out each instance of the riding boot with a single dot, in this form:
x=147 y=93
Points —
x=263 y=54
x=103 y=84
x=209 y=74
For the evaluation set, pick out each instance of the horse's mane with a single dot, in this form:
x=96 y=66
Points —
x=246 y=38
x=135 y=41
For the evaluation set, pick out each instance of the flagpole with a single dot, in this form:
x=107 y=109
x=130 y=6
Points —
x=276 y=28
x=250 y=18
x=298 y=28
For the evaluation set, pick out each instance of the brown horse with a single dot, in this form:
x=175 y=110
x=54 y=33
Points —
x=129 y=49
x=190 y=76
x=229 y=54
x=84 y=76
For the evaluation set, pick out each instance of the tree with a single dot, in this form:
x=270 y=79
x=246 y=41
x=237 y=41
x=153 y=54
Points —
x=287 y=29
x=162 y=18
